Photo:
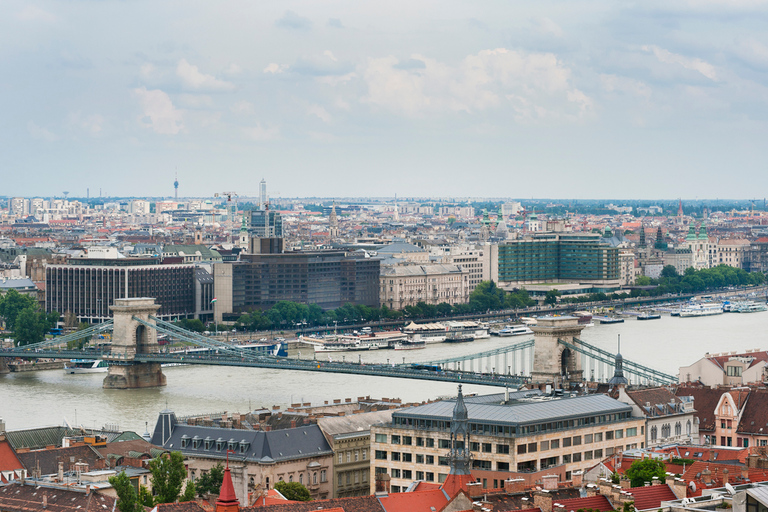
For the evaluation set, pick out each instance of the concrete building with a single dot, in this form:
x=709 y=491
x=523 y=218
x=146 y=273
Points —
x=406 y=285
x=261 y=458
x=350 y=439
x=729 y=251
x=475 y=258
x=87 y=287
x=558 y=257
x=265 y=223
x=669 y=419
x=516 y=435
x=329 y=279
x=727 y=369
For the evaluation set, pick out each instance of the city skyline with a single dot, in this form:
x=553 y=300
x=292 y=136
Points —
x=586 y=100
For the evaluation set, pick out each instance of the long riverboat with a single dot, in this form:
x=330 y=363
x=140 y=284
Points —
x=706 y=309
x=433 y=332
x=86 y=366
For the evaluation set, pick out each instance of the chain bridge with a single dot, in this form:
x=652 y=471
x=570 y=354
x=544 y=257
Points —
x=555 y=355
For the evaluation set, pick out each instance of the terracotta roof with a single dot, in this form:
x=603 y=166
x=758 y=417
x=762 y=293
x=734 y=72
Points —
x=10 y=465
x=598 y=502
x=356 y=504
x=662 y=401
x=48 y=460
x=693 y=474
x=704 y=401
x=454 y=483
x=28 y=498
x=651 y=497
x=503 y=502
x=419 y=501
x=754 y=419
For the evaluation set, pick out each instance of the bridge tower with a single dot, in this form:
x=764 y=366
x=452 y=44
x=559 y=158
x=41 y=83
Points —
x=553 y=362
x=130 y=338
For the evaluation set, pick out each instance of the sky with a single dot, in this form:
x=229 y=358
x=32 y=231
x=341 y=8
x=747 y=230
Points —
x=577 y=99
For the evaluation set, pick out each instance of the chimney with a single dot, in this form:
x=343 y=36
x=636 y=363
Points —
x=514 y=485
x=60 y=475
x=474 y=489
x=745 y=472
x=543 y=500
x=550 y=482
x=88 y=490
x=752 y=459
x=680 y=488
x=706 y=477
x=655 y=481
x=45 y=500
x=625 y=482
x=577 y=478
x=293 y=423
x=711 y=456
x=592 y=490
x=604 y=486
x=726 y=474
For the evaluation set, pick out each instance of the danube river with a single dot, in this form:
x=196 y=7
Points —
x=51 y=397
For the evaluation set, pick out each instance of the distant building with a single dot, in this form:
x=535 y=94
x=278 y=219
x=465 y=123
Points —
x=669 y=419
x=406 y=285
x=88 y=286
x=266 y=224
x=727 y=369
x=329 y=279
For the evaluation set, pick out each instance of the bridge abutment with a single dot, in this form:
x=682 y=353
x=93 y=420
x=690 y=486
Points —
x=552 y=362
x=129 y=338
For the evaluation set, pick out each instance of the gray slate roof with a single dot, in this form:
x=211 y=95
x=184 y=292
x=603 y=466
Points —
x=521 y=413
x=353 y=423
x=259 y=446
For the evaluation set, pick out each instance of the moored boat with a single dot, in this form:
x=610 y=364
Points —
x=706 y=309
x=86 y=366
x=649 y=316
x=410 y=345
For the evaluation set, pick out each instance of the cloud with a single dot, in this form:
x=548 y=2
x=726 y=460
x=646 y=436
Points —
x=195 y=100
x=259 y=133
x=92 y=125
x=321 y=65
x=35 y=13
x=330 y=55
x=233 y=69
x=275 y=68
x=158 y=112
x=615 y=83
x=293 y=21
x=535 y=85
x=547 y=27
x=192 y=77
x=334 y=23
x=40 y=133
x=317 y=110
x=693 y=64
x=242 y=107
x=752 y=52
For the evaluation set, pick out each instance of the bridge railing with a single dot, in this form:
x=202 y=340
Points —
x=73 y=336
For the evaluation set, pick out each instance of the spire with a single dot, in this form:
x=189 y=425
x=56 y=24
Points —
x=618 y=378
x=460 y=455
x=642 y=235
x=227 y=501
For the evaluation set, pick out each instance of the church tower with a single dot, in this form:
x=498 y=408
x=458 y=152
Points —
x=460 y=457
x=244 y=238
x=333 y=224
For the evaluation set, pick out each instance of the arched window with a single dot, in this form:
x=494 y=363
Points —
x=654 y=433
x=314 y=478
x=688 y=427
x=678 y=429
x=290 y=478
x=301 y=478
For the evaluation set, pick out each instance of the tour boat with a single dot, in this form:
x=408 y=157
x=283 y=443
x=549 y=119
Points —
x=750 y=307
x=428 y=333
x=513 y=330
x=410 y=345
x=648 y=316
x=86 y=366
x=707 y=309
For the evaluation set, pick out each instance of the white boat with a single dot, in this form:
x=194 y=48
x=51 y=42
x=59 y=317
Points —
x=410 y=345
x=429 y=333
x=750 y=307
x=476 y=330
x=86 y=366
x=706 y=309
x=513 y=330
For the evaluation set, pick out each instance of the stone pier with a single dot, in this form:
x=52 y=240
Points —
x=554 y=363
x=130 y=338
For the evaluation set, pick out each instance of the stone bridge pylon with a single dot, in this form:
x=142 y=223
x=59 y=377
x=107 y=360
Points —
x=130 y=338
x=552 y=361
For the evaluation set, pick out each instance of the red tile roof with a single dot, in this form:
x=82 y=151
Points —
x=8 y=461
x=651 y=497
x=599 y=502
x=419 y=501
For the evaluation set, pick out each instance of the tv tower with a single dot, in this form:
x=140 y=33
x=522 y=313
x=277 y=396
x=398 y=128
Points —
x=176 y=187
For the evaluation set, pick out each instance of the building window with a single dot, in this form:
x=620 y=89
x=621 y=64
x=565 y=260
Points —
x=407 y=457
x=502 y=448
x=381 y=438
x=407 y=440
x=395 y=473
x=444 y=443
x=419 y=458
x=619 y=434
x=322 y=476
x=407 y=474
x=544 y=445
x=588 y=439
x=521 y=449
x=429 y=442
x=502 y=466
x=380 y=455
x=430 y=477
x=395 y=456
x=554 y=444
x=631 y=432
x=419 y=441
x=430 y=459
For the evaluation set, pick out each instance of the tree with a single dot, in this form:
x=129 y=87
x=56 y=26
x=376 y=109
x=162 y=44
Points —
x=13 y=303
x=210 y=482
x=168 y=475
x=642 y=471
x=643 y=281
x=31 y=325
x=127 y=501
x=293 y=491
x=669 y=271
x=189 y=492
x=145 y=497
x=551 y=297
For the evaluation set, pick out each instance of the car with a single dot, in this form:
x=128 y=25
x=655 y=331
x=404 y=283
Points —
x=263 y=339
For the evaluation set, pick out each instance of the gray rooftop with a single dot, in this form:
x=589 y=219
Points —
x=353 y=423
x=521 y=413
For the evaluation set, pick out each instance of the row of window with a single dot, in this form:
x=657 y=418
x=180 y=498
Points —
x=350 y=454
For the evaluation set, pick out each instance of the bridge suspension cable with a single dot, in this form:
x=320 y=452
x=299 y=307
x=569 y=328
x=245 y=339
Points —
x=482 y=355
x=630 y=367
x=73 y=336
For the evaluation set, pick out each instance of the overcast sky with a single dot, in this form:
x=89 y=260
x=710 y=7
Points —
x=571 y=99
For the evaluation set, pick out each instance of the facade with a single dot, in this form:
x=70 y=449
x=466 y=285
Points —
x=260 y=458
x=669 y=419
x=406 y=285
x=558 y=257
x=729 y=251
x=475 y=258
x=756 y=256
x=329 y=279
x=521 y=436
x=628 y=273
x=87 y=287
x=350 y=439
x=727 y=369
x=266 y=224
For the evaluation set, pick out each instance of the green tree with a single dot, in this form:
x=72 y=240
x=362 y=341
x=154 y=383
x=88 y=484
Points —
x=189 y=492
x=13 y=303
x=551 y=297
x=642 y=471
x=145 y=497
x=643 y=281
x=127 y=501
x=210 y=482
x=168 y=475
x=669 y=271
x=293 y=491
x=31 y=325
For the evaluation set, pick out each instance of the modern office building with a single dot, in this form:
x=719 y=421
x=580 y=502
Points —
x=524 y=435
x=557 y=257
x=329 y=279
x=266 y=224
x=88 y=286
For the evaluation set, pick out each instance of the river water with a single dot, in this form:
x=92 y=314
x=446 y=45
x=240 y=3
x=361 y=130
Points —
x=51 y=397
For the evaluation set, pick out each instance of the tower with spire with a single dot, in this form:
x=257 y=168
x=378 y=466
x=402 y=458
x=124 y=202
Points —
x=460 y=456
x=618 y=378
x=244 y=238
x=176 y=187
x=333 y=223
